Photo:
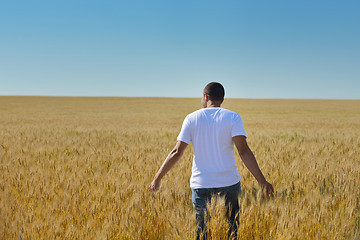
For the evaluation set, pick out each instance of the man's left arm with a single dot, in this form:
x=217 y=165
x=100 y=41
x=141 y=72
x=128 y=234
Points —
x=173 y=157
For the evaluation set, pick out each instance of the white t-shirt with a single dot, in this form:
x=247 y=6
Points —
x=211 y=130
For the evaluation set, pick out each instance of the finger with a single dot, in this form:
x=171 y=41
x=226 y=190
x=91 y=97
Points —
x=271 y=191
x=151 y=192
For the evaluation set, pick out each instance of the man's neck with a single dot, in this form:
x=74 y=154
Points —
x=211 y=105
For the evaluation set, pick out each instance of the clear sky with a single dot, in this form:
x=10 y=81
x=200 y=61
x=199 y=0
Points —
x=167 y=48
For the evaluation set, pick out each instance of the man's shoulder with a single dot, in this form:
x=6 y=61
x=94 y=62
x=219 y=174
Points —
x=195 y=113
x=223 y=111
x=229 y=112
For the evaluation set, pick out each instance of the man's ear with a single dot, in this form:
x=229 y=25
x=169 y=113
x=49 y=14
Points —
x=206 y=97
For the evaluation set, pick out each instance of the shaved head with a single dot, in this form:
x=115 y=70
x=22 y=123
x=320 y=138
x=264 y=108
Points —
x=215 y=91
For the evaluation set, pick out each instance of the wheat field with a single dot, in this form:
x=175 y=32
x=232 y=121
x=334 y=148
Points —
x=79 y=168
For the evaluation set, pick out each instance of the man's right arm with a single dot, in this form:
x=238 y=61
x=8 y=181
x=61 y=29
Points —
x=173 y=157
x=250 y=162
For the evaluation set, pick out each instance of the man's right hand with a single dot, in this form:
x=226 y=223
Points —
x=154 y=186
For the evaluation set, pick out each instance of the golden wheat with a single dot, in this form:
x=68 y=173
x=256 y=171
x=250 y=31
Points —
x=79 y=168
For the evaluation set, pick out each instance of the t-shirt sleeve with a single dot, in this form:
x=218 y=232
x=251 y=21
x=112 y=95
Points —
x=185 y=133
x=238 y=127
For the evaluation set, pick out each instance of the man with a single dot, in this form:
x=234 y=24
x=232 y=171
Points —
x=213 y=132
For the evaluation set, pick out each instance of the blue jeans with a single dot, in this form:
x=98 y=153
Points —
x=202 y=196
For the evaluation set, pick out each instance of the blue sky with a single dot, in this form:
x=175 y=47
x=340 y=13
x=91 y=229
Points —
x=257 y=49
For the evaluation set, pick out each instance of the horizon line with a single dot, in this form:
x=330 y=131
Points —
x=91 y=96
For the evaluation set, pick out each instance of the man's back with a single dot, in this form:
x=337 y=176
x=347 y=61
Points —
x=211 y=130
